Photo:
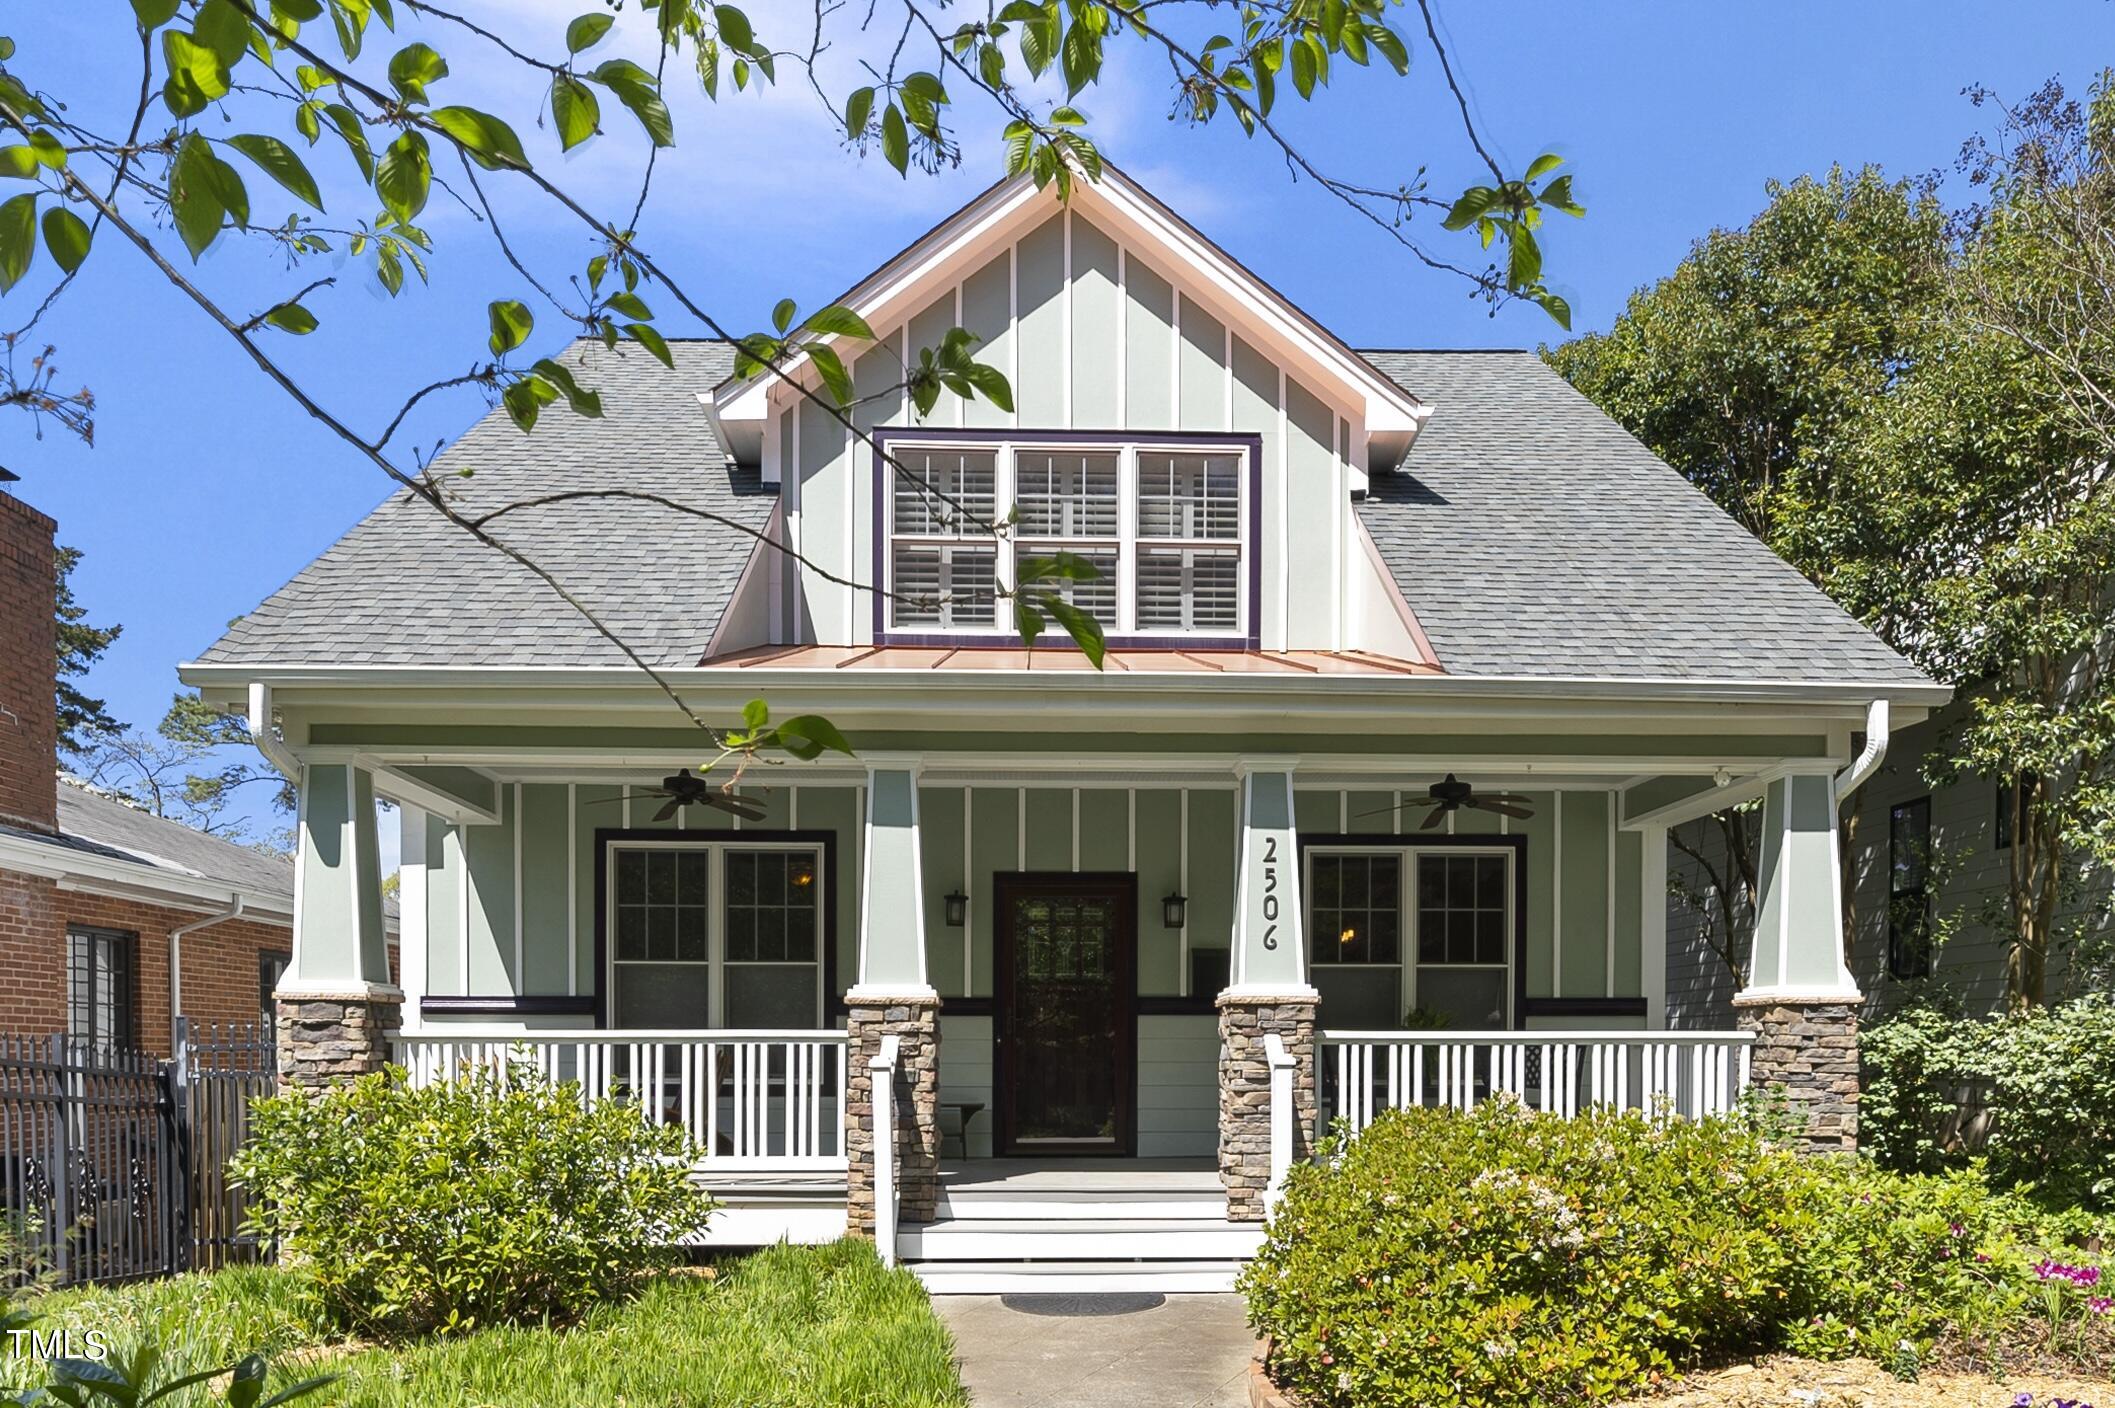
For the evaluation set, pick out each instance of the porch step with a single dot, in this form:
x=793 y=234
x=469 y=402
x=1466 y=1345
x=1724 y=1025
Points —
x=1073 y=1240
x=1075 y=1205
x=998 y=1278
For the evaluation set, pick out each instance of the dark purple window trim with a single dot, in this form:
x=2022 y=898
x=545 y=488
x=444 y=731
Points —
x=1252 y=444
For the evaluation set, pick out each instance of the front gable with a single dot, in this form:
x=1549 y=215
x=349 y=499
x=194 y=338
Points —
x=1135 y=350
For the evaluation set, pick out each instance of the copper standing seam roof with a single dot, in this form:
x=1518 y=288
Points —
x=1064 y=661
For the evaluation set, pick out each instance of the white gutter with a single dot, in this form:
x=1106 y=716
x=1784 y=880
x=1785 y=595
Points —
x=1867 y=762
x=260 y=720
x=176 y=964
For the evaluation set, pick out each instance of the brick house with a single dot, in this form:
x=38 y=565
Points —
x=100 y=902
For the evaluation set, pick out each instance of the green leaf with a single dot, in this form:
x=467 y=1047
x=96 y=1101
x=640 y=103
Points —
x=651 y=339
x=355 y=137
x=414 y=66
x=1081 y=58
x=293 y=318
x=735 y=28
x=635 y=88
x=18 y=238
x=195 y=196
x=19 y=162
x=223 y=29
x=991 y=384
x=1085 y=631
x=153 y=14
x=278 y=161
x=831 y=368
x=196 y=75
x=1544 y=164
x=782 y=314
x=806 y=735
x=586 y=32
x=630 y=304
x=525 y=399
x=299 y=11
x=490 y=142
x=756 y=713
x=838 y=321
x=405 y=176
x=1303 y=69
x=1557 y=195
x=1470 y=207
x=574 y=110
x=1557 y=308
x=895 y=139
x=1381 y=37
x=511 y=323
x=584 y=402
x=66 y=236
x=859 y=107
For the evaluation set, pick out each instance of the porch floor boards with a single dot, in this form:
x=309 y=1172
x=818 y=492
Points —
x=1010 y=1176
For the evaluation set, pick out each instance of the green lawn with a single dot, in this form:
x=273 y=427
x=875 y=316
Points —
x=791 y=1327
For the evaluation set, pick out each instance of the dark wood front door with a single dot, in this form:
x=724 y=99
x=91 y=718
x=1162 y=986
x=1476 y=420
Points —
x=1063 y=1025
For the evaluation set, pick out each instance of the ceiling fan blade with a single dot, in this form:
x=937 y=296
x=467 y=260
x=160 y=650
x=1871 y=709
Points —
x=675 y=804
x=1439 y=815
x=733 y=805
x=1492 y=804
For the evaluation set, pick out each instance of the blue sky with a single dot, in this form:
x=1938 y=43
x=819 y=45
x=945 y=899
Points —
x=207 y=488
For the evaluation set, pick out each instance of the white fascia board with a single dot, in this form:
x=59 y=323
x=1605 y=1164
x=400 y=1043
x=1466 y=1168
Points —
x=94 y=874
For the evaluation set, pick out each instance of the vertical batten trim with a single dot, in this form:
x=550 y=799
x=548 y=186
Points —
x=969 y=907
x=1175 y=356
x=1182 y=885
x=1339 y=505
x=572 y=889
x=1284 y=638
x=461 y=838
x=520 y=975
x=1652 y=925
x=1131 y=829
x=1227 y=357
x=1020 y=829
x=1611 y=992
x=1123 y=339
x=1557 y=893
x=625 y=807
x=1450 y=823
x=1396 y=817
x=1065 y=323
x=793 y=807
x=1075 y=831
x=1343 y=811
x=349 y=833
x=1013 y=326
x=961 y=402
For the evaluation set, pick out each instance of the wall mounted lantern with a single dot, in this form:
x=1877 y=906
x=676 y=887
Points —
x=1172 y=909
x=957 y=908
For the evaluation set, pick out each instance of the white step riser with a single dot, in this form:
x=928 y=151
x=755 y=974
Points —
x=997 y=1280
x=1057 y=1209
x=1061 y=1244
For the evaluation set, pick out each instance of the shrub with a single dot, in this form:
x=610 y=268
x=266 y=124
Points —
x=2050 y=1078
x=1511 y=1259
x=459 y=1205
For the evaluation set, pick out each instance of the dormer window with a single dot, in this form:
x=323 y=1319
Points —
x=1169 y=520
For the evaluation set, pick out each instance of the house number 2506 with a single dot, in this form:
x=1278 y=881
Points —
x=1270 y=892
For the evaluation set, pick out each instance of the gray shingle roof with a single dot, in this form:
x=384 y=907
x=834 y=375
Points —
x=406 y=587
x=1533 y=535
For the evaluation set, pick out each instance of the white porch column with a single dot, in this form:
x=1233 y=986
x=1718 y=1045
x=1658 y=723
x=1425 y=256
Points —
x=1267 y=995
x=892 y=996
x=337 y=1003
x=1801 y=999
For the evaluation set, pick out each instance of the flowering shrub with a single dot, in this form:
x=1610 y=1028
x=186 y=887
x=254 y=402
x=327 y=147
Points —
x=1517 y=1260
x=2051 y=1082
x=460 y=1205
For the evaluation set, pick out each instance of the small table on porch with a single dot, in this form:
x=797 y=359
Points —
x=966 y=1110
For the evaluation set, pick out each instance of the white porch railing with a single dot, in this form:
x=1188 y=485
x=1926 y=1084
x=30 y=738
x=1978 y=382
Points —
x=881 y=1092
x=1688 y=1074
x=752 y=1100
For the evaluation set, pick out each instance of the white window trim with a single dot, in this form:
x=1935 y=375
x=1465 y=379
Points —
x=715 y=918
x=1407 y=916
x=1127 y=543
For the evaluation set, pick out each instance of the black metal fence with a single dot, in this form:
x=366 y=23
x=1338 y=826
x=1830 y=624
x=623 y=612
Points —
x=113 y=1163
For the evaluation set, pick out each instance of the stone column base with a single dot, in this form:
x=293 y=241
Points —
x=915 y=1021
x=1811 y=1050
x=1244 y=1092
x=330 y=1038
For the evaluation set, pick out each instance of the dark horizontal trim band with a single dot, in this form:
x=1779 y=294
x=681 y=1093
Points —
x=1191 y=1006
x=555 y=1005
x=1585 y=1007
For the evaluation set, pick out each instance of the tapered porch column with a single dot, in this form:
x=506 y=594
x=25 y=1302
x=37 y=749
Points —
x=893 y=997
x=1801 y=1000
x=1267 y=993
x=337 y=1004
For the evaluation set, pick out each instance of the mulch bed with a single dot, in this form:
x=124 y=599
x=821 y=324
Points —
x=1784 y=1381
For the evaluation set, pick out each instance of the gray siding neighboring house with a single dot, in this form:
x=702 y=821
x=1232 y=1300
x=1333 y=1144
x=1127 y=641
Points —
x=1967 y=890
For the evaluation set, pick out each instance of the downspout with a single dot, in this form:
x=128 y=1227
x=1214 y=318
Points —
x=176 y=965
x=268 y=743
x=1875 y=752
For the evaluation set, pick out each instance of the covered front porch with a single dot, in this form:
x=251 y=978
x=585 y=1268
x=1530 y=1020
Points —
x=1124 y=949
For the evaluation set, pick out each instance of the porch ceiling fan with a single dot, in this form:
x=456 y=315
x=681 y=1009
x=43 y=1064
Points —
x=1451 y=794
x=686 y=789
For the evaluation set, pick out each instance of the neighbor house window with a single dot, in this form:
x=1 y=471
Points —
x=1909 y=951
x=2010 y=794
x=99 y=986
x=271 y=967
x=1167 y=526
x=1439 y=955
x=715 y=934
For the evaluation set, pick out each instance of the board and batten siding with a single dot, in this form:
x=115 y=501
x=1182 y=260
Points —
x=1093 y=336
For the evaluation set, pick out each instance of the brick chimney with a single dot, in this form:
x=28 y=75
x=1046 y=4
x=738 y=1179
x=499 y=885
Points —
x=29 y=718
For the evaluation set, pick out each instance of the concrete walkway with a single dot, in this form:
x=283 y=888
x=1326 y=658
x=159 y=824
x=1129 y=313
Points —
x=1190 y=1352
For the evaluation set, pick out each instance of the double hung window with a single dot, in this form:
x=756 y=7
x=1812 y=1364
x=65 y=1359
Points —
x=715 y=934
x=1167 y=527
